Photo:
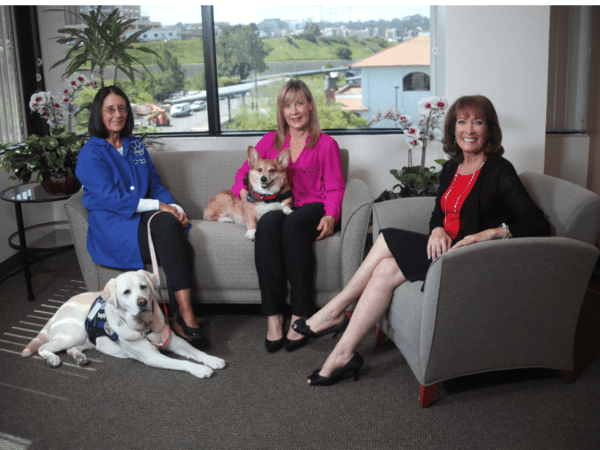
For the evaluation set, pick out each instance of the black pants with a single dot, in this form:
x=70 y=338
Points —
x=284 y=249
x=173 y=251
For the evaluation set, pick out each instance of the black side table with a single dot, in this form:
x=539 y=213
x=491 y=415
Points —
x=43 y=237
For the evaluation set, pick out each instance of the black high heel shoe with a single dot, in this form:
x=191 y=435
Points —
x=273 y=346
x=291 y=345
x=300 y=326
x=354 y=365
x=192 y=335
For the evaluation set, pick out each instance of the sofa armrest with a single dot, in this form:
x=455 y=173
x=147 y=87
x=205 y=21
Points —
x=412 y=214
x=356 y=212
x=77 y=215
x=503 y=304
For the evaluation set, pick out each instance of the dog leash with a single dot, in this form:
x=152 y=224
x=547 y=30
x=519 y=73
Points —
x=157 y=275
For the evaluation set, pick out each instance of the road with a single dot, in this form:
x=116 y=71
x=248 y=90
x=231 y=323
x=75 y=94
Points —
x=274 y=68
x=198 y=120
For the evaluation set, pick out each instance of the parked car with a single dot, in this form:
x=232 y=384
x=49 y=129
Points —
x=198 y=105
x=180 y=109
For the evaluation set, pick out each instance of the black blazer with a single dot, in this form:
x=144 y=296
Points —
x=498 y=196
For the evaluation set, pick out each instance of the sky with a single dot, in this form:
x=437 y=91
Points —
x=235 y=12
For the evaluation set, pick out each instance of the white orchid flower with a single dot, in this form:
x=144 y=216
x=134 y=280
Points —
x=436 y=134
x=404 y=118
x=426 y=106
x=377 y=117
x=412 y=132
x=38 y=100
x=442 y=103
x=414 y=142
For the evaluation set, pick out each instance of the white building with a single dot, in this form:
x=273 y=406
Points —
x=160 y=34
x=396 y=77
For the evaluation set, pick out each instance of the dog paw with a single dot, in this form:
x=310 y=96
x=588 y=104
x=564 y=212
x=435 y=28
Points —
x=214 y=362
x=82 y=360
x=225 y=219
x=250 y=234
x=287 y=210
x=52 y=360
x=201 y=371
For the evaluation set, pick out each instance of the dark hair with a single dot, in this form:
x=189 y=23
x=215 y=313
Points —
x=288 y=92
x=96 y=124
x=480 y=105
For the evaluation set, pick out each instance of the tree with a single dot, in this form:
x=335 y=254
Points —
x=169 y=78
x=241 y=51
x=344 y=53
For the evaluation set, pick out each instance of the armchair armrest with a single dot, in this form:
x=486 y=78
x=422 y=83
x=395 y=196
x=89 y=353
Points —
x=356 y=212
x=503 y=304
x=77 y=215
x=412 y=214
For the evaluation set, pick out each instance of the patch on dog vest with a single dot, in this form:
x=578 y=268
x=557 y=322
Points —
x=96 y=324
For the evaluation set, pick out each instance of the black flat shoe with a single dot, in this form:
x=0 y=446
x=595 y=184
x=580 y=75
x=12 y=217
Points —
x=193 y=336
x=291 y=345
x=300 y=327
x=273 y=346
x=354 y=365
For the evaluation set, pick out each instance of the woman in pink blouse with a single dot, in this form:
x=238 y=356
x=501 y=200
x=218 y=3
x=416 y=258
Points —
x=284 y=248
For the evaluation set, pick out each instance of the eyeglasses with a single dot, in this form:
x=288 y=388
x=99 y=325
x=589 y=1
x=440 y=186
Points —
x=111 y=110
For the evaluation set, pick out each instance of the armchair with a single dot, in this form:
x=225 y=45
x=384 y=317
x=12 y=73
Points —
x=497 y=305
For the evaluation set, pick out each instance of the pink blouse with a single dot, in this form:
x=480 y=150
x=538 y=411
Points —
x=316 y=176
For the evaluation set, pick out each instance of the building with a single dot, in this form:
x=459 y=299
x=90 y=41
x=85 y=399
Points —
x=159 y=34
x=396 y=77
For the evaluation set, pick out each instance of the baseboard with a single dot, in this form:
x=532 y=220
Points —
x=10 y=264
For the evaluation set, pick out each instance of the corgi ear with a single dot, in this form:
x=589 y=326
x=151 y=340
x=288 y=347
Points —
x=110 y=292
x=151 y=279
x=253 y=156
x=284 y=157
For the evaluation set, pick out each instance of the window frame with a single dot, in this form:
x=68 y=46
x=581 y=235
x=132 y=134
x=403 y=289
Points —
x=211 y=79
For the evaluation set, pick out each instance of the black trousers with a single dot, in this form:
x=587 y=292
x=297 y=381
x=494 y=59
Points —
x=284 y=249
x=173 y=251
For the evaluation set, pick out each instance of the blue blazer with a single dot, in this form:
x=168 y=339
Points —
x=112 y=188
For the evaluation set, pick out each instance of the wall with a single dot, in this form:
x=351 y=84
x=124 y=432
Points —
x=502 y=52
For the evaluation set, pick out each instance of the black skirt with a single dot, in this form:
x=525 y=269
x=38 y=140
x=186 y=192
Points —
x=410 y=252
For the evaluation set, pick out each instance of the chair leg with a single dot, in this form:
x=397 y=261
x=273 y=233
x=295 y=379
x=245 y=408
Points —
x=426 y=395
x=568 y=376
x=379 y=337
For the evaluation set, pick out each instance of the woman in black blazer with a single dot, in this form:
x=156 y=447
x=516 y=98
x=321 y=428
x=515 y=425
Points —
x=480 y=198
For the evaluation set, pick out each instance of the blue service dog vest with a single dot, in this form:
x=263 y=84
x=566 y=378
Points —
x=96 y=324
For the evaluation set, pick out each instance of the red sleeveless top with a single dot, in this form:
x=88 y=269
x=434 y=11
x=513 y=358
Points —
x=453 y=199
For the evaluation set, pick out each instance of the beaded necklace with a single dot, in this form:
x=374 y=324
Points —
x=465 y=190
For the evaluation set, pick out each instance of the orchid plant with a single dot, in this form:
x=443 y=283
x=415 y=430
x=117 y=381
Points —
x=60 y=110
x=419 y=181
x=54 y=155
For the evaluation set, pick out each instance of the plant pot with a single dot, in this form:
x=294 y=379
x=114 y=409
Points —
x=61 y=185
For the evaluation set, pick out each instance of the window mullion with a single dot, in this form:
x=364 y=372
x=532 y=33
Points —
x=210 y=71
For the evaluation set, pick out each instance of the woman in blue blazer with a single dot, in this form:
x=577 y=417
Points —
x=121 y=191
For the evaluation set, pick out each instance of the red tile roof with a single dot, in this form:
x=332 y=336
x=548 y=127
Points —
x=412 y=52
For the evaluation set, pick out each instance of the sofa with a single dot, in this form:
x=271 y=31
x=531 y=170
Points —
x=502 y=304
x=223 y=258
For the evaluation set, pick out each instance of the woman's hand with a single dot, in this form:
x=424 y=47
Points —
x=486 y=235
x=326 y=226
x=171 y=209
x=439 y=243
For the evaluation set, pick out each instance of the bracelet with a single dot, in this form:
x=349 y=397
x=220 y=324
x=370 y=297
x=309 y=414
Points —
x=506 y=230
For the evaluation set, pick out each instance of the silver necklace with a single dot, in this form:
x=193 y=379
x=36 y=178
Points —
x=452 y=186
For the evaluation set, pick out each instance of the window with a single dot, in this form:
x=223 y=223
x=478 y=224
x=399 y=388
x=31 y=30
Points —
x=416 y=81
x=11 y=124
x=353 y=58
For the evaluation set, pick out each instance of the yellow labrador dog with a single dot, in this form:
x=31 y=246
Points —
x=124 y=320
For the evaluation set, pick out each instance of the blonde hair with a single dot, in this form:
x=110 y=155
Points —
x=288 y=92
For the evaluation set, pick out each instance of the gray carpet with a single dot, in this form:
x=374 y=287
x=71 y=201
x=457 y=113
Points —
x=260 y=400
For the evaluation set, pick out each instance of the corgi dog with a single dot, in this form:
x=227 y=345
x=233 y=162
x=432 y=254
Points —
x=268 y=190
